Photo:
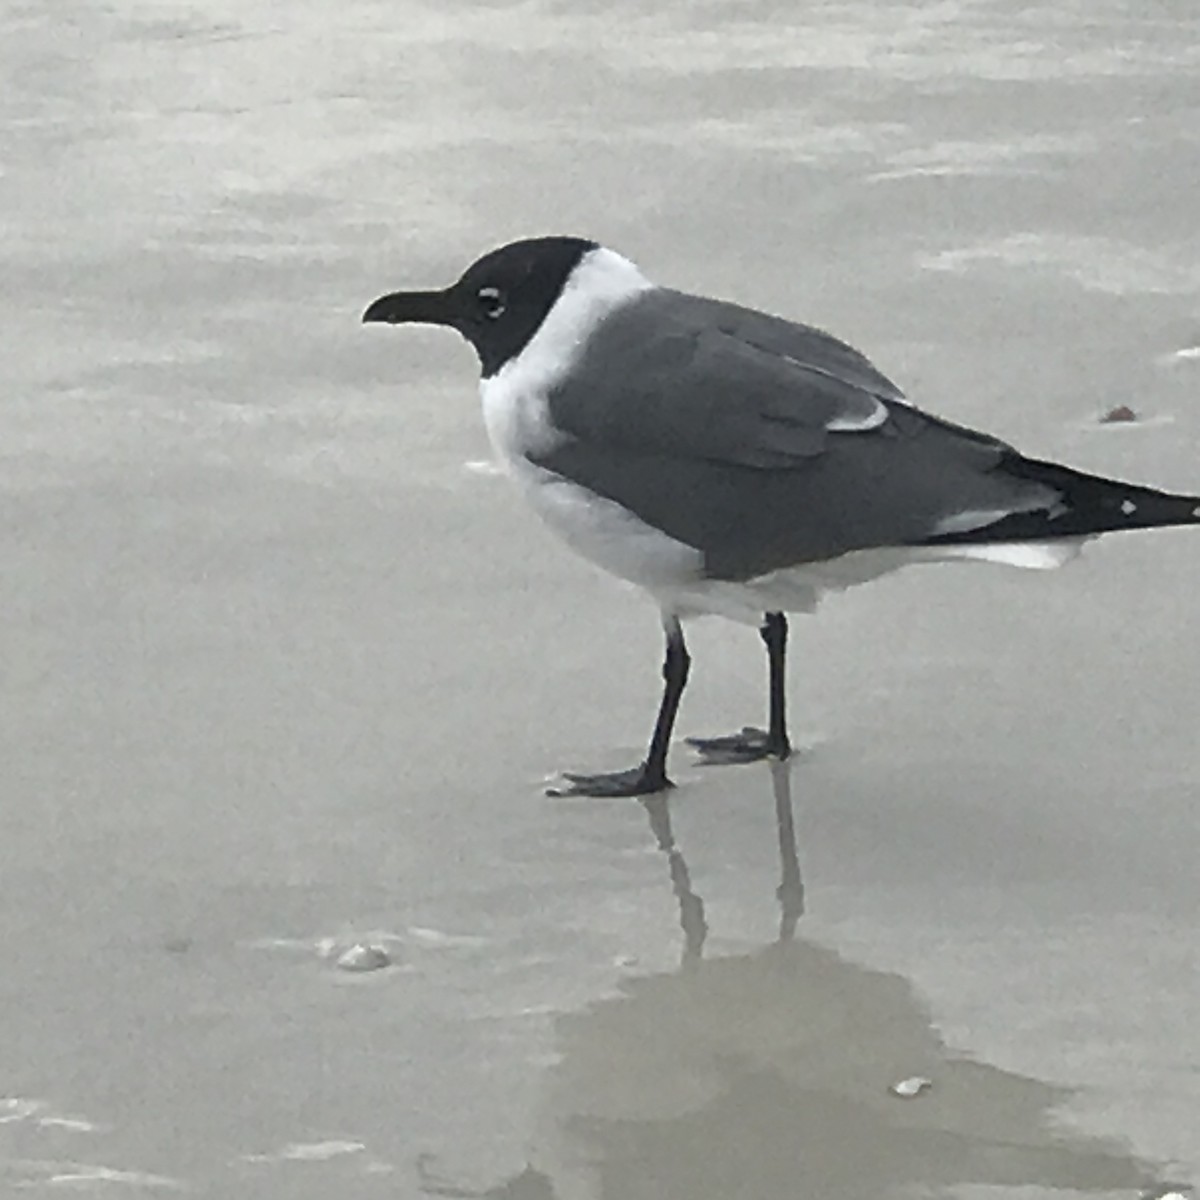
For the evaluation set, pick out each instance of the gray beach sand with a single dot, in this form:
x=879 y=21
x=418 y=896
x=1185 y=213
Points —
x=283 y=668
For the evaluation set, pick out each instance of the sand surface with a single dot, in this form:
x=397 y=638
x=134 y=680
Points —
x=282 y=669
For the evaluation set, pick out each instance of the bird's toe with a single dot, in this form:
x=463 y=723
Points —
x=747 y=746
x=637 y=781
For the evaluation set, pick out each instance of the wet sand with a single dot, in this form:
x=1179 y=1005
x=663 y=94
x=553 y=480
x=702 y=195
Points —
x=284 y=670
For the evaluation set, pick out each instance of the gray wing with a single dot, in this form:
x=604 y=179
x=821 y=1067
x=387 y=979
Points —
x=763 y=443
x=720 y=382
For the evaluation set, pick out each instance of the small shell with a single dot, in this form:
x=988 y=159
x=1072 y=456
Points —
x=914 y=1085
x=15 y=1108
x=364 y=956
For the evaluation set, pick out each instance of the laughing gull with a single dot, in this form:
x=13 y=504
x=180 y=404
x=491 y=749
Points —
x=736 y=463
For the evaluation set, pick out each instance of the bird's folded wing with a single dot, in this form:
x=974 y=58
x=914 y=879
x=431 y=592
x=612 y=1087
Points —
x=763 y=443
x=696 y=378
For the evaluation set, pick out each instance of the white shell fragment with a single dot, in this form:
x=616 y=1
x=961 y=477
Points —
x=16 y=1108
x=914 y=1085
x=319 y=1151
x=74 y=1124
x=364 y=956
x=307 y=1152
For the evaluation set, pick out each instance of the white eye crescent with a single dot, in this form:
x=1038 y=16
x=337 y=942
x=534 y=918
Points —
x=491 y=300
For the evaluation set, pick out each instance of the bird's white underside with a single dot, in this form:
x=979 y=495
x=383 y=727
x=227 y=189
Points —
x=516 y=414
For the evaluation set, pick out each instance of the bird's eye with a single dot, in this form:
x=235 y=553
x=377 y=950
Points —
x=491 y=300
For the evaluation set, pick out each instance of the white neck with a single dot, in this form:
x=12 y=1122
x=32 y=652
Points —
x=514 y=399
x=601 y=281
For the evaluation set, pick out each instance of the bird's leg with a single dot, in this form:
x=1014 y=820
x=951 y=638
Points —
x=651 y=776
x=751 y=745
x=774 y=634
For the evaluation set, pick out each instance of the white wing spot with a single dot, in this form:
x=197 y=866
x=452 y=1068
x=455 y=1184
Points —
x=859 y=423
x=1129 y=508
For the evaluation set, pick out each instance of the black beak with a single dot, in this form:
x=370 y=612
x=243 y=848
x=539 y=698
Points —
x=421 y=308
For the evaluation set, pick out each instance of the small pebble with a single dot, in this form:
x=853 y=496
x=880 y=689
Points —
x=364 y=956
x=1119 y=415
x=914 y=1085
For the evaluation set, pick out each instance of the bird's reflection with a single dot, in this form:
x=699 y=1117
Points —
x=768 y=1075
x=790 y=892
x=691 y=907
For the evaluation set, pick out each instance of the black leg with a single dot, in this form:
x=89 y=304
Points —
x=774 y=634
x=651 y=776
x=751 y=745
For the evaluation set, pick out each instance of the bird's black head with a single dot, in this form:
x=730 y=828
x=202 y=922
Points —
x=500 y=300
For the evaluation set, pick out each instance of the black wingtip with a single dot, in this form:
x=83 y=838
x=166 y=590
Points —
x=1090 y=505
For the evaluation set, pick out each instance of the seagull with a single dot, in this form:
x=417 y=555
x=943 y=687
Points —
x=735 y=463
